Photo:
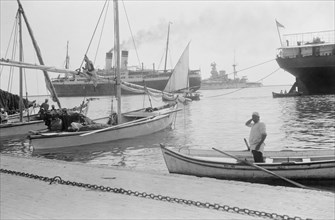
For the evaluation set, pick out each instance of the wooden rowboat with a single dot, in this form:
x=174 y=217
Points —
x=303 y=165
x=282 y=95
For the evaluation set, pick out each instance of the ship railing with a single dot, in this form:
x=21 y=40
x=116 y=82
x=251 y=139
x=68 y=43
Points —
x=308 y=38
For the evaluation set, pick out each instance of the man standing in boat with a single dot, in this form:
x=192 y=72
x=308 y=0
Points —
x=256 y=137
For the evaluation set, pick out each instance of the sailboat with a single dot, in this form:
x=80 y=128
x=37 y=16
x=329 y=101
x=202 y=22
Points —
x=125 y=125
x=22 y=124
x=16 y=129
x=179 y=81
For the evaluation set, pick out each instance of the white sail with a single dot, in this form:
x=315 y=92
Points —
x=179 y=77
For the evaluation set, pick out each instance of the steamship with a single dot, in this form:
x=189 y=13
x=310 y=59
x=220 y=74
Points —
x=310 y=57
x=74 y=85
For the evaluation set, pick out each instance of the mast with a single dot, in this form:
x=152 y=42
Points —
x=67 y=59
x=234 y=67
x=39 y=56
x=21 y=59
x=117 y=59
x=167 y=46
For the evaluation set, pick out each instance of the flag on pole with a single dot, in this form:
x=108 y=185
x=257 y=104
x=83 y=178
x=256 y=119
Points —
x=279 y=24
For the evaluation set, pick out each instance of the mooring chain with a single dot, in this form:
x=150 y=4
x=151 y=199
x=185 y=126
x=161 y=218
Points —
x=226 y=208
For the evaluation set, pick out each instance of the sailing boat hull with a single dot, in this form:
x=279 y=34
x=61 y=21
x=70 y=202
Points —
x=71 y=139
x=11 y=130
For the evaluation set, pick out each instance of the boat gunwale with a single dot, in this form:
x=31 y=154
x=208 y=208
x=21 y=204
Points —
x=242 y=166
x=17 y=124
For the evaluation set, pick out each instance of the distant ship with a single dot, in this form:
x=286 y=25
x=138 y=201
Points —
x=74 y=85
x=310 y=57
x=220 y=80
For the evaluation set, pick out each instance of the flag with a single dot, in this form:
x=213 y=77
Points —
x=279 y=24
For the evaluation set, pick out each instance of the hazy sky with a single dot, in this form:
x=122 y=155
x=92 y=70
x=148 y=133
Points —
x=218 y=31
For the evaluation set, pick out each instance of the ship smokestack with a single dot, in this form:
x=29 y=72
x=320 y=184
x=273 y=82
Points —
x=124 y=60
x=109 y=61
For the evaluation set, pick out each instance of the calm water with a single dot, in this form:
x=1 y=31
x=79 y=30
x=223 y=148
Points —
x=217 y=120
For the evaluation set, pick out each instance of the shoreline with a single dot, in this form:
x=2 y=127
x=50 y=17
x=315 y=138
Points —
x=23 y=197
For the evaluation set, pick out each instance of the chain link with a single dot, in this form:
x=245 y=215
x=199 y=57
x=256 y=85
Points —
x=225 y=208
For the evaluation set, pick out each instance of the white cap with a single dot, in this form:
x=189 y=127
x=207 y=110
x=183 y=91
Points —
x=255 y=113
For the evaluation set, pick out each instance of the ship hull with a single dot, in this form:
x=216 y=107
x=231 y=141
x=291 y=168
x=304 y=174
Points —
x=315 y=75
x=74 y=88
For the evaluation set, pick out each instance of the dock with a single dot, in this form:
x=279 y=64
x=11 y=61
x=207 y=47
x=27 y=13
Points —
x=39 y=188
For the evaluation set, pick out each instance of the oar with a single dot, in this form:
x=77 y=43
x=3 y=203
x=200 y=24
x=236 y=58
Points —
x=263 y=169
x=246 y=143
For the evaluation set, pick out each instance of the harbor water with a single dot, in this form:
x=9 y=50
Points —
x=217 y=120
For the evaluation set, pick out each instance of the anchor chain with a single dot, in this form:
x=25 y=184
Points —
x=225 y=208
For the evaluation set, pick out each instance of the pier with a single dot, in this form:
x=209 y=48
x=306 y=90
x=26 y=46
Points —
x=145 y=195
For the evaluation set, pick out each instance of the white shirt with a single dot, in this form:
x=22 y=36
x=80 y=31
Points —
x=256 y=132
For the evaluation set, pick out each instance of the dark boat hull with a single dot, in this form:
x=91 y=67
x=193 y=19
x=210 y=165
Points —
x=282 y=95
x=105 y=89
x=315 y=75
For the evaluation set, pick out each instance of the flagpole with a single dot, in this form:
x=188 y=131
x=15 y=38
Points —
x=281 y=43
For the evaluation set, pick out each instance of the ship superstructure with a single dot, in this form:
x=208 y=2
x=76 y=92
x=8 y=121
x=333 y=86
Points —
x=220 y=80
x=310 y=57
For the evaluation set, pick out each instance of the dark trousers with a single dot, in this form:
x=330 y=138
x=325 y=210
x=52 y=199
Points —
x=258 y=156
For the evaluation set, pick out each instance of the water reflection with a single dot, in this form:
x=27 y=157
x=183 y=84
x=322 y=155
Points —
x=308 y=122
x=215 y=121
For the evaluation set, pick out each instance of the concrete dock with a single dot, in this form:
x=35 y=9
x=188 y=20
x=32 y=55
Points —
x=29 y=198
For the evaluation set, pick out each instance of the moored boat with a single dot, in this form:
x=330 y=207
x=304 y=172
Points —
x=139 y=123
x=310 y=57
x=78 y=131
x=311 y=165
x=282 y=95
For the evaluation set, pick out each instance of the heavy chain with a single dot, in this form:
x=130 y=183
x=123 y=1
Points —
x=225 y=208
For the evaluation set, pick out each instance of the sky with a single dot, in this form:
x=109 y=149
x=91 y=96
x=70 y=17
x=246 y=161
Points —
x=224 y=32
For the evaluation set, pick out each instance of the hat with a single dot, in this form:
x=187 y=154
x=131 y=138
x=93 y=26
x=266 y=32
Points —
x=255 y=113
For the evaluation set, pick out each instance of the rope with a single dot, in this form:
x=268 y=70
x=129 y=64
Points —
x=102 y=29
x=251 y=66
x=89 y=45
x=15 y=43
x=255 y=65
x=243 y=88
x=10 y=38
x=132 y=36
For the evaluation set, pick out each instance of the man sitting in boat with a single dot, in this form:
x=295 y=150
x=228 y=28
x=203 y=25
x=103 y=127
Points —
x=89 y=67
x=89 y=70
x=257 y=137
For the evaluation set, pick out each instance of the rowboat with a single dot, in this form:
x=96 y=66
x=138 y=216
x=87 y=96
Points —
x=298 y=165
x=282 y=95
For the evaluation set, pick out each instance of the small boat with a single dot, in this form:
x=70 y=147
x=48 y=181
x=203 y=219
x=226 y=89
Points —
x=282 y=95
x=300 y=165
x=179 y=81
x=117 y=126
x=21 y=124
x=194 y=96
